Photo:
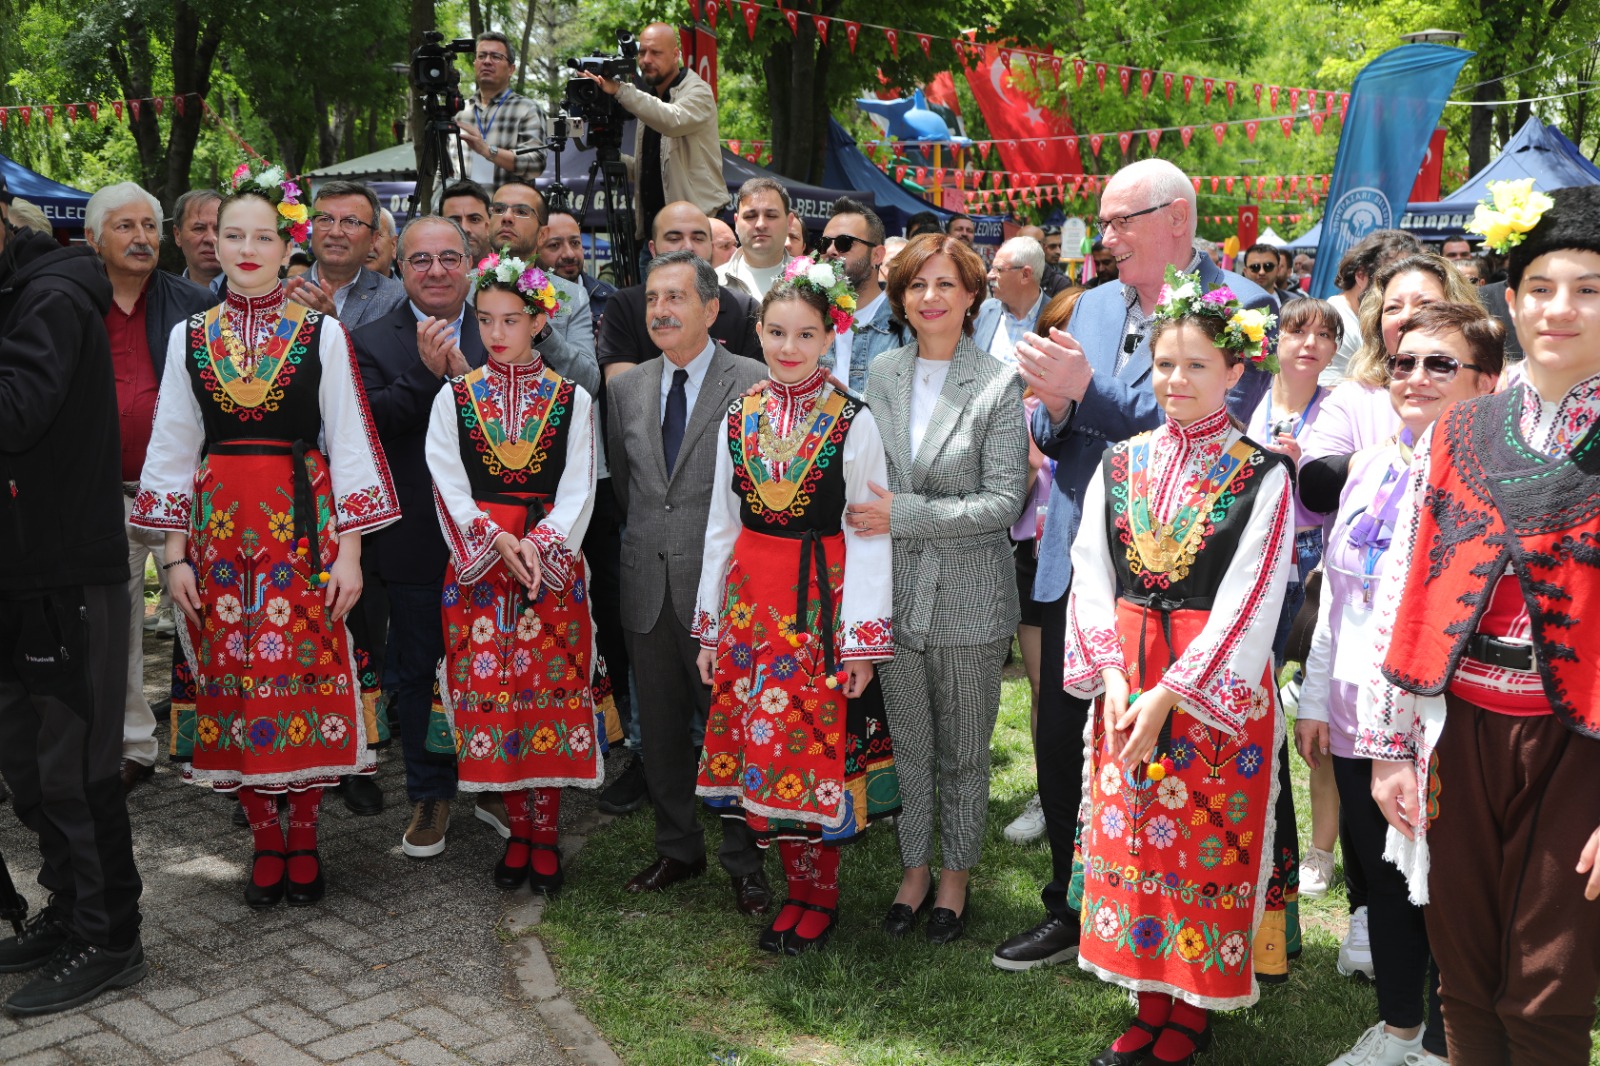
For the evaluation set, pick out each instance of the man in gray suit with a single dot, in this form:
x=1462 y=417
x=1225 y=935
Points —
x=664 y=428
x=344 y=225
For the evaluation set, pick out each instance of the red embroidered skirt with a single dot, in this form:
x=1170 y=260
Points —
x=1176 y=871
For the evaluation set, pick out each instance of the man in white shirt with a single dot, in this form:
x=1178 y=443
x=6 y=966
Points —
x=762 y=221
x=854 y=236
x=1014 y=308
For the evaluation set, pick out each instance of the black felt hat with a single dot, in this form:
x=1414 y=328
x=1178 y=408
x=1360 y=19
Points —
x=1573 y=222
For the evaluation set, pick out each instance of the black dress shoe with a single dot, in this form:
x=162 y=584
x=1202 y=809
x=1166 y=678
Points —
x=133 y=772
x=628 y=792
x=260 y=898
x=751 y=894
x=1052 y=940
x=663 y=873
x=1200 y=1040
x=305 y=893
x=798 y=945
x=361 y=794
x=945 y=925
x=549 y=884
x=770 y=939
x=901 y=919
x=1109 y=1057
x=511 y=877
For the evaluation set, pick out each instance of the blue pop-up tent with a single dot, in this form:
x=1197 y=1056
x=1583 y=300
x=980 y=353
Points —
x=61 y=204
x=845 y=167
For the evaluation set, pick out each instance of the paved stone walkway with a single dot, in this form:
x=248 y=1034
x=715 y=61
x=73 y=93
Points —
x=405 y=961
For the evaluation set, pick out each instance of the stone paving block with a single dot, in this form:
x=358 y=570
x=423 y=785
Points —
x=339 y=933
x=439 y=1024
x=136 y=1020
x=294 y=1023
x=36 y=1036
x=265 y=1049
x=358 y=1040
x=308 y=990
x=581 y=1039
x=501 y=1052
x=232 y=1002
x=373 y=1008
x=47 y=1057
x=106 y=1047
x=200 y=1037
x=370 y=1058
x=171 y=997
x=424 y=1052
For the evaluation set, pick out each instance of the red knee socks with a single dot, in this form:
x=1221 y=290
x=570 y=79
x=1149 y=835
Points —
x=546 y=812
x=303 y=808
x=262 y=811
x=1173 y=1045
x=797 y=871
x=824 y=861
x=1154 y=1010
x=521 y=822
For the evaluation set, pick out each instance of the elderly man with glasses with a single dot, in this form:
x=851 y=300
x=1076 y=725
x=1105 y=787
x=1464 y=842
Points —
x=498 y=121
x=1093 y=380
x=344 y=226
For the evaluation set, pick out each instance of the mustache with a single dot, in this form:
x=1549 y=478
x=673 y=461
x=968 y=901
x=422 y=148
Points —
x=140 y=248
x=665 y=322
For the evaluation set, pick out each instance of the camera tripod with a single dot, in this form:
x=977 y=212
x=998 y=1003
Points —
x=616 y=194
x=435 y=169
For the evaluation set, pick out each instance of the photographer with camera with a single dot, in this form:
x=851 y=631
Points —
x=677 y=148
x=499 y=121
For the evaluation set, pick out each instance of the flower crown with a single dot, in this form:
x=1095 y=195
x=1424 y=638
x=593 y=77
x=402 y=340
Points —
x=828 y=278
x=537 y=292
x=294 y=224
x=1516 y=209
x=1184 y=297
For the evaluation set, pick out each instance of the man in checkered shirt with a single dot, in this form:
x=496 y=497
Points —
x=497 y=120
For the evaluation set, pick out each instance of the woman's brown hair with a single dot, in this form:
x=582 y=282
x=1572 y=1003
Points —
x=915 y=255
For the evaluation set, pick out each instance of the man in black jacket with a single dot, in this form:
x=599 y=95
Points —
x=63 y=623
x=122 y=223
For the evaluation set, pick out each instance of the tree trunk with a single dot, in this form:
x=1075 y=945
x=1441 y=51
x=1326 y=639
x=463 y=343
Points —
x=522 y=54
x=194 y=50
x=474 y=17
x=792 y=69
x=132 y=65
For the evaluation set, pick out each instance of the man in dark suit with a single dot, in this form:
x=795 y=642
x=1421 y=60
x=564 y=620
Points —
x=122 y=223
x=664 y=433
x=344 y=228
x=1094 y=383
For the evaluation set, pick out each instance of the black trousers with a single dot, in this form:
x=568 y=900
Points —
x=63 y=675
x=1406 y=976
x=602 y=547
x=1058 y=750
x=670 y=697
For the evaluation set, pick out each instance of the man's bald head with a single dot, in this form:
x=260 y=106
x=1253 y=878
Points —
x=681 y=225
x=659 y=57
x=1036 y=232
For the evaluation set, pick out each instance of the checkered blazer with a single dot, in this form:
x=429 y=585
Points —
x=954 y=576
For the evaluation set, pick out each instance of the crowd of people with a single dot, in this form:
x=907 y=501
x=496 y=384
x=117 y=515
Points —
x=772 y=520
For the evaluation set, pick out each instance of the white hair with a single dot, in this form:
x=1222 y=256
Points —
x=1025 y=252
x=387 y=222
x=114 y=197
x=1162 y=182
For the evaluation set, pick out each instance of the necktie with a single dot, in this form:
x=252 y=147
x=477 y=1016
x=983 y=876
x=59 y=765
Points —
x=677 y=412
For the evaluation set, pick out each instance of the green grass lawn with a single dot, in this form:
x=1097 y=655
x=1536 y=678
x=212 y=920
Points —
x=676 y=980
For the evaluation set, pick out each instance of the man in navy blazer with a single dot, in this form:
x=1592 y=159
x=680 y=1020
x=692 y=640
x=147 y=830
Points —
x=1094 y=384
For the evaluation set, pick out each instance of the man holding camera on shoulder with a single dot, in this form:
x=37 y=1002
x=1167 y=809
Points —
x=497 y=121
x=677 y=148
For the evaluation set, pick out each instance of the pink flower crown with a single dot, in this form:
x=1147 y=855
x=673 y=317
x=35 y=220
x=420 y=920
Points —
x=294 y=223
x=827 y=277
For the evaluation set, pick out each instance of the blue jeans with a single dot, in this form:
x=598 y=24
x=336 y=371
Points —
x=1307 y=554
x=416 y=644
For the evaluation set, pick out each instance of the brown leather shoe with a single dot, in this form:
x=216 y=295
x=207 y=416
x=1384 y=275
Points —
x=664 y=872
x=133 y=772
x=751 y=893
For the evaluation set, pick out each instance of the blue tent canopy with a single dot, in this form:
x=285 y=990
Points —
x=61 y=204
x=846 y=167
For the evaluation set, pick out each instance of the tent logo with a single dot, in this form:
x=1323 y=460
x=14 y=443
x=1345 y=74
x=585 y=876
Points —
x=1359 y=212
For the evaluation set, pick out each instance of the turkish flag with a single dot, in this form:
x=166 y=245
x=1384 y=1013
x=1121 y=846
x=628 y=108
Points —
x=1294 y=99
x=1209 y=84
x=1287 y=122
x=1166 y=83
x=1124 y=139
x=1250 y=130
x=792 y=17
x=1146 y=79
x=894 y=41
x=1219 y=131
x=1316 y=122
x=1100 y=75
x=1188 y=86
x=94 y=111
x=822 y=27
x=1272 y=95
x=751 y=12
x=1187 y=133
x=1095 y=141
x=852 y=30
x=1030 y=137
x=1154 y=137
x=1232 y=89
x=1426 y=188
x=927 y=48
x=1078 y=66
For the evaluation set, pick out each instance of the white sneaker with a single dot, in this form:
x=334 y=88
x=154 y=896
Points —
x=1355 y=952
x=1379 y=1047
x=1289 y=695
x=1425 y=1058
x=1029 y=825
x=1316 y=873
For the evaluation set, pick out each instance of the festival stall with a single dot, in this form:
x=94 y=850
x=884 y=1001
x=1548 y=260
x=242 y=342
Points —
x=61 y=204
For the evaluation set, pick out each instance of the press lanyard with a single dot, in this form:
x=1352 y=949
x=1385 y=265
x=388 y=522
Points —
x=1301 y=421
x=484 y=128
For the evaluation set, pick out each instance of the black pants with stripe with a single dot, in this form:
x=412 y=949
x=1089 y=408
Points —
x=63 y=671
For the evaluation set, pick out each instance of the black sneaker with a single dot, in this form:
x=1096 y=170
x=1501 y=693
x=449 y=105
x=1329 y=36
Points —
x=1051 y=941
x=77 y=973
x=628 y=792
x=33 y=947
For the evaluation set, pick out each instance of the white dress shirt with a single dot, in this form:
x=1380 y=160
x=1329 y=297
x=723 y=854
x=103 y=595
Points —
x=691 y=389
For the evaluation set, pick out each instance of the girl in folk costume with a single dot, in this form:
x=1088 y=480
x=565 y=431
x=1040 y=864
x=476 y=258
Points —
x=511 y=450
x=1175 y=596
x=794 y=609
x=1480 y=714
x=265 y=470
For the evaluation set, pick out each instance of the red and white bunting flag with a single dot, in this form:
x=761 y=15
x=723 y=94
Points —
x=1154 y=137
x=791 y=17
x=852 y=30
x=157 y=102
x=1055 y=68
x=1228 y=184
x=1100 y=75
x=736 y=145
x=1005 y=59
x=996 y=179
x=1316 y=122
x=1209 y=84
x=1326 y=178
x=1294 y=99
x=1286 y=123
x=1219 y=131
x=1261 y=185
x=1095 y=141
x=758 y=147
x=1232 y=89
x=1311 y=99
x=927 y=45
x=1214 y=181
x=983 y=149
x=694 y=10
x=711 y=13
x=1011 y=145
x=4 y=112
x=1078 y=67
x=72 y=112
x=1294 y=184
x=894 y=41
x=751 y=11
x=1250 y=130
x=49 y=114
x=1187 y=133
x=1277 y=186
x=133 y=109
x=752 y=157
x=1124 y=78
x=922 y=175
x=1033 y=65
x=899 y=173
x=1272 y=97
x=1147 y=78
x=1256 y=88
x=1073 y=145
x=821 y=22
x=1125 y=140
x=116 y=105
x=1188 y=86
x=1196 y=183
x=177 y=102
x=94 y=111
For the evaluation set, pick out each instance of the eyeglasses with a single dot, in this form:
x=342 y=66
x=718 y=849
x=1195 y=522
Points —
x=422 y=262
x=844 y=242
x=1117 y=223
x=1441 y=368
x=348 y=222
x=519 y=210
x=1261 y=268
x=493 y=57
x=1003 y=269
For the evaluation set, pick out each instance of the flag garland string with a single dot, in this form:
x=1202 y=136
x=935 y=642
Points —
x=130 y=108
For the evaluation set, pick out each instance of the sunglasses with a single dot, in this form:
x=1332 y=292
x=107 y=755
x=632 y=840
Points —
x=1260 y=268
x=1441 y=368
x=844 y=242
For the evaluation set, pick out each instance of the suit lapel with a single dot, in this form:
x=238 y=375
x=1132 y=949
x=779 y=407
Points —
x=947 y=410
x=471 y=342
x=902 y=408
x=715 y=393
x=650 y=412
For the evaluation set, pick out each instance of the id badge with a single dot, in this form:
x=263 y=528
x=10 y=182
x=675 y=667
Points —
x=1352 y=662
x=1038 y=526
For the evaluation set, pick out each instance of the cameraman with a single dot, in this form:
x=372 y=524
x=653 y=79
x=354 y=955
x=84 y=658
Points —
x=499 y=120
x=677 y=150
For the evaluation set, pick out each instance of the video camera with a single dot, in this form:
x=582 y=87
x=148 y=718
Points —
x=601 y=115
x=434 y=74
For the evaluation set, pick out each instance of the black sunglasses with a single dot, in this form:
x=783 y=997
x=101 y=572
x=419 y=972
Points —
x=1441 y=368
x=844 y=242
x=1260 y=268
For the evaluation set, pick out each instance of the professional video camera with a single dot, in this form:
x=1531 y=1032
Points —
x=434 y=74
x=601 y=115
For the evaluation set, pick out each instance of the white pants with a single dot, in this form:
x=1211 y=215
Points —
x=138 y=721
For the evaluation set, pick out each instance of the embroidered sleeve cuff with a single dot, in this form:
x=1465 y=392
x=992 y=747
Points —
x=473 y=549
x=704 y=629
x=152 y=510
x=367 y=510
x=1384 y=745
x=1218 y=705
x=1088 y=651
x=556 y=561
x=869 y=639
